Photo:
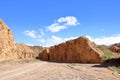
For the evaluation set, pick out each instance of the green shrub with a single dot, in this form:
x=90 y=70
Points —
x=107 y=58
x=107 y=53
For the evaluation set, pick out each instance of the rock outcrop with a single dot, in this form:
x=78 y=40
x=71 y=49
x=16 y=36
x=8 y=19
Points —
x=79 y=50
x=10 y=50
x=24 y=51
x=36 y=49
x=7 y=46
x=115 y=48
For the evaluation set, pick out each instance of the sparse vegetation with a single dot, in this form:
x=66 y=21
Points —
x=107 y=53
x=110 y=59
x=116 y=68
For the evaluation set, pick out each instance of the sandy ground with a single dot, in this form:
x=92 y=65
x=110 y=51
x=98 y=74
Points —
x=40 y=70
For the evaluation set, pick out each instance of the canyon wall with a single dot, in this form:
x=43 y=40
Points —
x=10 y=50
x=79 y=50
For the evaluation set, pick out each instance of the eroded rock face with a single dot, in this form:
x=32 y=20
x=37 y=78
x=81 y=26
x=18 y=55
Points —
x=6 y=42
x=23 y=51
x=36 y=49
x=115 y=48
x=79 y=50
x=10 y=50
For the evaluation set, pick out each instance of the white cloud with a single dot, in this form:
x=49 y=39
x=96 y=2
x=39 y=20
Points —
x=30 y=33
x=63 y=23
x=41 y=40
x=70 y=38
x=102 y=40
x=54 y=40
x=39 y=36
x=106 y=40
x=69 y=20
x=56 y=27
x=41 y=32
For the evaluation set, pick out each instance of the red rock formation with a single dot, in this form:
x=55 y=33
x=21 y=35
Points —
x=115 y=48
x=77 y=50
x=44 y=55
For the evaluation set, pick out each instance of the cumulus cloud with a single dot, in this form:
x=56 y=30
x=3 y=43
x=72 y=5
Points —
x=70 y=38
x=63 y=23
x=41 y=32
x=38 y=35
x=56 y=27
x=100 y=41
x=68 y=21
x=54 y=40
x=30 y=33
x=106 y=40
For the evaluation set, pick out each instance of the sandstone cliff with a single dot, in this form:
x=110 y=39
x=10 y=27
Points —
x=77 y=50
x=7 y=46
x=25 y=51
x=10 y=50
x=36 y=49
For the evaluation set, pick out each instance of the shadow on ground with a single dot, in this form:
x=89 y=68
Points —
x=111 y=62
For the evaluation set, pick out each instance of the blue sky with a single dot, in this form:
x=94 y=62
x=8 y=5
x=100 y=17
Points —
x=49 y=22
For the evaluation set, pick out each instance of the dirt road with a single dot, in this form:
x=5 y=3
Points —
x=41 y=70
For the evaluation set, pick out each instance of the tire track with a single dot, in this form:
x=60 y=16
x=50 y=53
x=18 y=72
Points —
x=20 y=71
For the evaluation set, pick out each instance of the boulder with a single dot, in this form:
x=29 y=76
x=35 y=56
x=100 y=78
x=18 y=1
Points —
x=79 y=50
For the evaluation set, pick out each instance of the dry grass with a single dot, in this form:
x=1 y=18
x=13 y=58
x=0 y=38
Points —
x=107 y=53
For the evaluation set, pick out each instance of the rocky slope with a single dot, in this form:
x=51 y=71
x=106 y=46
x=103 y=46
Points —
x=77 y=50
x=25 y=51
x=10 y=50
x=36 y=49
x=115 y=48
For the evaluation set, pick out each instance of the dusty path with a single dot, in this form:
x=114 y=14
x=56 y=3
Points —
x=40 y=70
